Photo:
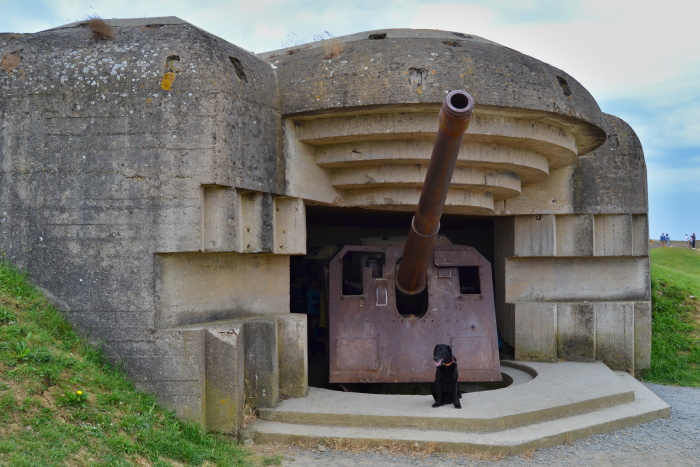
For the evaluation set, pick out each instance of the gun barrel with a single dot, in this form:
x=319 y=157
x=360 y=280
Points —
x=455 y=115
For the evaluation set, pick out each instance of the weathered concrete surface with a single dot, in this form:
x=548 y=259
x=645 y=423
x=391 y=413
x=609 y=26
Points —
x=570 y=279
x=224 y=380
x=114 y=168
x=213 y=372
x=612 y=179
x=574 y=235
x=377 y=158
x=262 y=362
x=576 y=331
x=535 y=331
x=113 y=188
x=565 y=401
x=594 y=252
x=171 y=364
x=613 y=235
x=616 y=333
x=535 y=236
x=381 y=71
x=198 y=288
x=292 y=355
x=362 y=122
x=642 y=335
x=141 y=208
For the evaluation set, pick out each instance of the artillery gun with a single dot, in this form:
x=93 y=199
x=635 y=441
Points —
x=389 y=305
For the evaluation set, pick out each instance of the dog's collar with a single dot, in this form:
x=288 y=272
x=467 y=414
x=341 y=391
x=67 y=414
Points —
x=448 y=364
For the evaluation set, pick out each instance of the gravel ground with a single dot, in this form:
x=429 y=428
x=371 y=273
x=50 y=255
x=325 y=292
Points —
x=667 y=442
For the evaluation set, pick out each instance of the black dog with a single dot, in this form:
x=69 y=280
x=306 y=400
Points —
x=445 y=387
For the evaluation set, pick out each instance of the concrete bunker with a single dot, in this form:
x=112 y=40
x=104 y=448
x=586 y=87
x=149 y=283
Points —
x=170 y=223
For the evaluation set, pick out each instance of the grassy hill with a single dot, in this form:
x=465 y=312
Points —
x=675 y=288
x=62 y=404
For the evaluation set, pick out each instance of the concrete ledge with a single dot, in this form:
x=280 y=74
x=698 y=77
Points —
x=566 y=401
x=240 y=364
x=261 y=362
x=224 y=383
x=550 y=395
x=293 y=355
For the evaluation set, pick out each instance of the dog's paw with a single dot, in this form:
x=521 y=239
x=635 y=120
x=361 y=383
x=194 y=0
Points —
x=458 y=406
x=437 y=404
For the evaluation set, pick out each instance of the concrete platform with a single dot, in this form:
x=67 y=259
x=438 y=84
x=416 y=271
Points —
x=560 y=403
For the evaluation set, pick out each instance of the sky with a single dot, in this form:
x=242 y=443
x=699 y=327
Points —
x=640 y=59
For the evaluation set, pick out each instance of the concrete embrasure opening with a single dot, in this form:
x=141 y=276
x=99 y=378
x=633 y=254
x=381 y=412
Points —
x=328 y=230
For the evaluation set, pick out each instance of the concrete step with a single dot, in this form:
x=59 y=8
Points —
x=507 y=421
x=547 y=396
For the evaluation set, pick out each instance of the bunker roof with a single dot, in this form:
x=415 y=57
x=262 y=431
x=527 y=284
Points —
x=418 y=67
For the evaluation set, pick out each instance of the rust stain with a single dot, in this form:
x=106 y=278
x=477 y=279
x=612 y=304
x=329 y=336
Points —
x=167 y=82
x=371 y=340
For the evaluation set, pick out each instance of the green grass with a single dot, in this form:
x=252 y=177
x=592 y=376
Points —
x=675 y=289
x=62 y=403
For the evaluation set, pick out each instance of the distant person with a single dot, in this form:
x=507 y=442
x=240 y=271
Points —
x=687 y=240
x=663 y=239
x=668 y=240
x=692 y=240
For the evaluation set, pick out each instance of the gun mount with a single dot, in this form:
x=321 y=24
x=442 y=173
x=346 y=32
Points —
x=389 y=305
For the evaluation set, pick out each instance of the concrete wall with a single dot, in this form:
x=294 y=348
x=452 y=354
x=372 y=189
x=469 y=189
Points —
x=576 y=281
x=102 y=168
x=160 y=218
x=114 y=191
x=196 y=288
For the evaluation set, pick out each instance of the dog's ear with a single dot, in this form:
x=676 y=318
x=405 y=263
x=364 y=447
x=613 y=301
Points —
x=448 y=348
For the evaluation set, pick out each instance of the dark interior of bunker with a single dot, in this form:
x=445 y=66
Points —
x=329 y=230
